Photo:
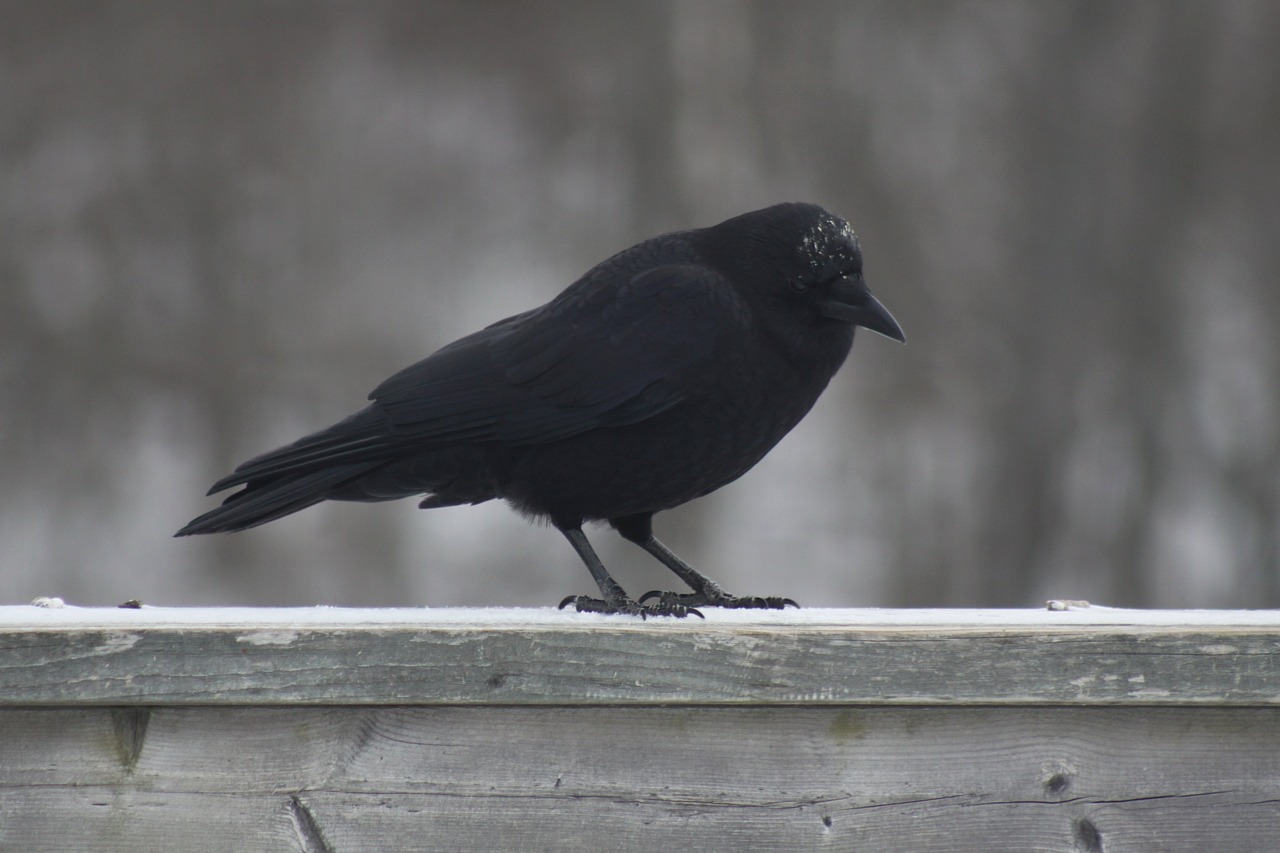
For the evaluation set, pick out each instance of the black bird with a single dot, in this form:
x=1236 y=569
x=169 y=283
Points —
x=662 y=374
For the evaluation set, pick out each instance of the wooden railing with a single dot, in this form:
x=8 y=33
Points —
x=327 y=729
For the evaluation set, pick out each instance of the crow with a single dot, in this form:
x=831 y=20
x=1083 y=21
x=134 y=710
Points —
x=660 y=375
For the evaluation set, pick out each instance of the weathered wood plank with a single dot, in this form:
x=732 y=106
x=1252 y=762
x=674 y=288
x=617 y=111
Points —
x=642 y=778
x=325 y=656
x=106 y=821
x=325 y=731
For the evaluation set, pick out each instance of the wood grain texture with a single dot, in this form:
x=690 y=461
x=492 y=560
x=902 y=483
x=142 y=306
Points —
x=615 y=778
x=763 y=661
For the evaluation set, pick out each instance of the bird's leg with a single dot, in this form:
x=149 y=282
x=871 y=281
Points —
x=706 y=592
x=614 y=598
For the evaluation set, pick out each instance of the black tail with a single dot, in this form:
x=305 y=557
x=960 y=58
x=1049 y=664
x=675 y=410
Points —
x=260 y=502
x=302 y=474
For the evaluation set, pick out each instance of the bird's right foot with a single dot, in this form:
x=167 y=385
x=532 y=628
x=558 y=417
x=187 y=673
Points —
x=629 y=607
x=716 y=598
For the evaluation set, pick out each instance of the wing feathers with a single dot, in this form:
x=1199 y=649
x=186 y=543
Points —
x=585 y=360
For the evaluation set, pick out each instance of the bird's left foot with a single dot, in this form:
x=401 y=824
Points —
x=717 y=598
x=626 y=606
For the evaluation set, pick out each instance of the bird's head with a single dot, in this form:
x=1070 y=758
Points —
x=811 y=263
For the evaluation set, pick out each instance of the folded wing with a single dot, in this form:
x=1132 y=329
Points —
x=597 y=356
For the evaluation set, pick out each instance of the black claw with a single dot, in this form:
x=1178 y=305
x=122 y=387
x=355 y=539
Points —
x=680 y=611
x=756 y=602
x=730 y=602
x=627 y=607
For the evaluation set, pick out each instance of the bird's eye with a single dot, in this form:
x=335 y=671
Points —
x=798 y=286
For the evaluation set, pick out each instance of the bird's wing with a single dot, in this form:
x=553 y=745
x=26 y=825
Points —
x=597 y=356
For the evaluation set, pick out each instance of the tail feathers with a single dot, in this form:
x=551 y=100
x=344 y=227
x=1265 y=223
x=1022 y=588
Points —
x=263 y=501
x=362 y=438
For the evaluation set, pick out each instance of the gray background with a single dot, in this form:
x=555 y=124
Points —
x=222 y=223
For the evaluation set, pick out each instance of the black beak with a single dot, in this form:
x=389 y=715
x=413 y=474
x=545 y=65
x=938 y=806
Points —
x=874 y=316
x=851 y=302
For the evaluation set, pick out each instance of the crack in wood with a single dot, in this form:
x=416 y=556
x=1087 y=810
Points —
x=130 y=726
x=306 y=828
x=915 y=801
x=1093 y=801
x=841 y=802
x=560 y=794
x=1158 y=797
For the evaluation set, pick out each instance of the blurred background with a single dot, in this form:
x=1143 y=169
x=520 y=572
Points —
x=222 y=223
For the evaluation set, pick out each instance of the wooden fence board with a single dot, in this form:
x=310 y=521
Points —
x=475 y=778
x=337 y=731
x=841 y=657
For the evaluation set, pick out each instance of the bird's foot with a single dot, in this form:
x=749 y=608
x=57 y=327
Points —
x=717 y=598
x=629 y=607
